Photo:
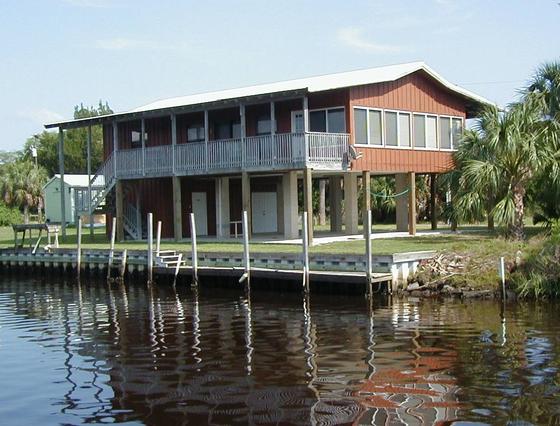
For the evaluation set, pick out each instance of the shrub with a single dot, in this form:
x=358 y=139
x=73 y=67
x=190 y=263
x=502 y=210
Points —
x=9 y=215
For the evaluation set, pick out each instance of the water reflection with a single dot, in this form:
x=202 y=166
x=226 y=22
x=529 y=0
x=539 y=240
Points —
x=91 y=352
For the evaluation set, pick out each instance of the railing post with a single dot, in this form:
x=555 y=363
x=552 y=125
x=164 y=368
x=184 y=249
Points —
x=367 y=234
x=206 y=138
x=150 y=247
x=62 y=186
x=90 y=210
x=143 y=141
x=115 y=147
x=305 y=243
x=194 y=251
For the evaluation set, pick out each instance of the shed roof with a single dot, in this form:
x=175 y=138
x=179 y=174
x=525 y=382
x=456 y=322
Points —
x=73 y=180
x=310 y=85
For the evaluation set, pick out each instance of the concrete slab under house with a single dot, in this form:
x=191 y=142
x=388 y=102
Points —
x=260 y=149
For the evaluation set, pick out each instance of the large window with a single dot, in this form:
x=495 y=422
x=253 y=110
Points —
x=431 y=131
x=456 y=131
x=445 y=133
x=195 y=133
x=331 y=120
x=391 y=128
x=404 y=129
x=375 y=127
x=419 y=131
x=360 y=126
x=135 y=141
x=263 y=125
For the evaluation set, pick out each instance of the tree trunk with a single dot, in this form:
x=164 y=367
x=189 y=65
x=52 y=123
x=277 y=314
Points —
x=322 y=209
x=26 y=214
x=517 y=228
x=489 y=214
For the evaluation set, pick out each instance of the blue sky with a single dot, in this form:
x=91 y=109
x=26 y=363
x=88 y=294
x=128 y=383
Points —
x=58 y=53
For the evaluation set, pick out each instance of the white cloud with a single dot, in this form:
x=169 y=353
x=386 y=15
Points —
x=120 y=43
x=41 y=116
x=353 y=37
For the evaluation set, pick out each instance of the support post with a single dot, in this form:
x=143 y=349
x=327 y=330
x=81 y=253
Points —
x=308 y=202
x=112 y=247
x=173 y=142
x=119 y=210
x=305 y=244
x=79 y=248
x=222 y=207
x=194 y=251
x=401 y=202
x=350 y=204
x=322 y=202
x=246 y=199
x=366 y=192
x=412 y=203
x=206 y=137
x=143 y=142
x=90 y=210
x=246 y=259
x=115 y=146
x=335 y=203
x=158 y=238
x=290 y=205
x=150 y=258
x=433 y=200
x=243 y=134
x=62 y=187
x=272 y=118
x=177 y=209
x=138 y=218
x=367 y=225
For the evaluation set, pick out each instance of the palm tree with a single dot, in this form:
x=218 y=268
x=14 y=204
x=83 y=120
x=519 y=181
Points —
x=21 y=186
x=507 y=150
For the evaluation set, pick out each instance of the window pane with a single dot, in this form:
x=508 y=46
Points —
x=236 y=130
x=431 y=131
x=419 y=131
x=391 y=128
x=317 y=121
x=223 y=131
x=360 y=126
x=375 y=137
x=192 y=134
x=445 y=132
x=336 y=120
x=135 y=136
x=263 y=126
x=457 y=131
x=404 y=129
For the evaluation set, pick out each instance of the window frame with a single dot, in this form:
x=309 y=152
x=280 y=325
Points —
x=197 y=126
x=342 y=107
x=428 y=148
x=451 y=139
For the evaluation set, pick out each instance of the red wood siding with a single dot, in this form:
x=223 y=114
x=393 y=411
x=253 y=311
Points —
x=386 y=160
x=186 y=120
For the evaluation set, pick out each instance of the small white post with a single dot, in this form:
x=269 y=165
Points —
x=194 y=251
x=368 y=252
x=112 y=247
x=79 y=250
x=158 y=238
x=177 y=267
x=246 y=260
x=503 y=276
x=150 y=247
x=305 y=244
x=123 y=264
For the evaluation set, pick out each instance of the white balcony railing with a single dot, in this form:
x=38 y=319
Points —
x=267 y=152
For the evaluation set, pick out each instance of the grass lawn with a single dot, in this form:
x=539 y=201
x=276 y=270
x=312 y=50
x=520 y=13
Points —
x=471 y=239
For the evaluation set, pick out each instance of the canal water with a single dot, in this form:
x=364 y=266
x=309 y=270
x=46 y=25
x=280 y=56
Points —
x=86 y=353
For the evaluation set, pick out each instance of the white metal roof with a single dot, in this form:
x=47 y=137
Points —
x=311 y=84
x=73 y=180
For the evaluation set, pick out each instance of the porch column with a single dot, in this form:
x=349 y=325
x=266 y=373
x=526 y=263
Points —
x=173 y=142
x=366 y=190
x=119 y=211
x=433 y=200
x=335 y=202
x=272 y=118
x=177 y=209
x=222 y=207
x=243 y=134
x=290 y=205
x=412 y=203
x=62 y=188
x=350 y=203
x=143 y=142
x=401 y=185
x=90 y=211
x=115 y=146
x=308 y=201
x=206 y=137
x=246 y=198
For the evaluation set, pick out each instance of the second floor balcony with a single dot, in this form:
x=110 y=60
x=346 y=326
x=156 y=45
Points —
x=283 y=151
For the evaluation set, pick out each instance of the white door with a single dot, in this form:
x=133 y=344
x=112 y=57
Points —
x=199 y=209
x=297 y=121
x=264 y=212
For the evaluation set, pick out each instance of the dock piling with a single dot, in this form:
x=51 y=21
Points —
x=246 y=260
x=79 y=248
x=123 y=264
x=112 y=247
x=305 y=243
x=150 y=260
x=194 y=252
x=158 y=238
x=367 y=234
